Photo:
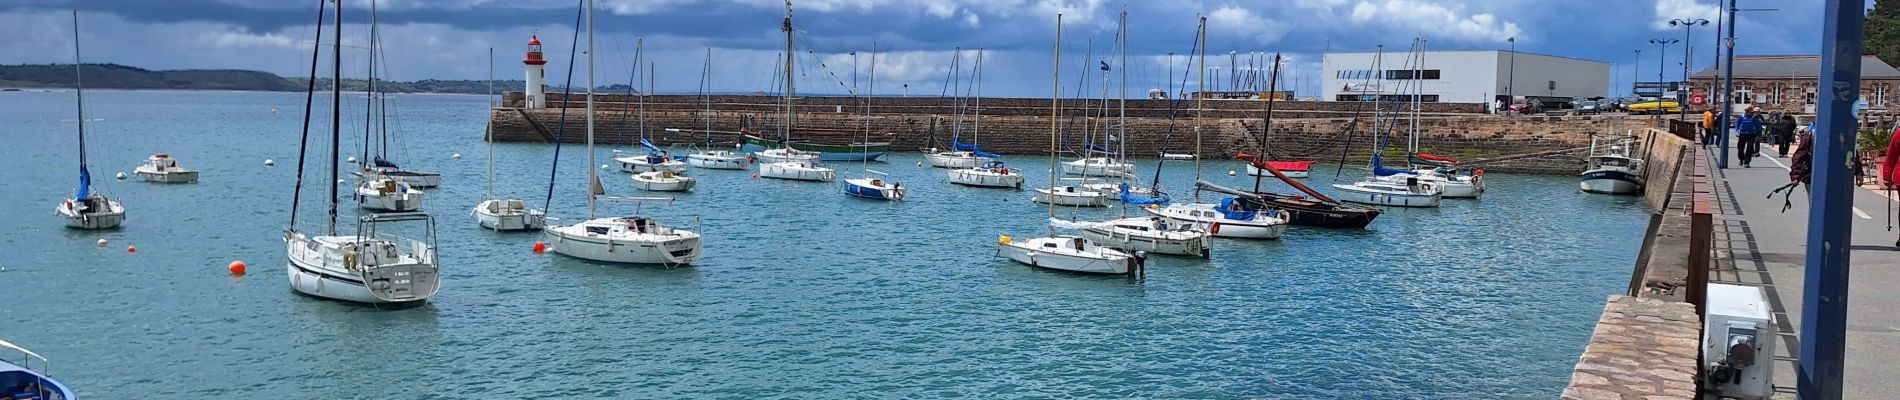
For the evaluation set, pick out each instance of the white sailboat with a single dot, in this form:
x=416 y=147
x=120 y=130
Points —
x=504 y=214
x=962 y=155
x=631 y=239
x=370 y=266
x=1231 y=217
x=1061 y=252
x=88 y=209
x=385 y=194
x=1432 y=171
x=162 y=168
x=711 y=158
x=379 y=165
x=989 y=174
x=1070 y=195
x=786 y=162
x=663 y=181
x=655 y=159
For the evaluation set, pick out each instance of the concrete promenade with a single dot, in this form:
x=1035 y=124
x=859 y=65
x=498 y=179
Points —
x=1758 y=244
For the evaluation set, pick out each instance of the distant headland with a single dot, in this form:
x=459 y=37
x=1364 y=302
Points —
x=115 y=76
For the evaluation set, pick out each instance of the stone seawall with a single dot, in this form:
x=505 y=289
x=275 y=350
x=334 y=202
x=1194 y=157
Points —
x=995 y=106
x=1468 y=138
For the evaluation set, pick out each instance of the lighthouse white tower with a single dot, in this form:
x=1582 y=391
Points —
x=537 y=74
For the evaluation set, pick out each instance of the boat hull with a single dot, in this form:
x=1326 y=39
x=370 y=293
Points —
x=736 y=162
x=394 y=202
x=827 y=152
x=1609 y=181
x=681 y=251
x=419 y=180
x=675 y=184
x=1108 y=237
x=954 y=160
x=1077 y=198
x=1350 y=193
x=1100 y=168
x=173 y=176
x=1062 y=262
x=510 y=220
x=399 y=283
x=865 y=189
x=112 y=217
x=1290 y=173
x=638 y=164
x=796 y=172
x=1311 y=213
x=969 y=177
x=1225 y=228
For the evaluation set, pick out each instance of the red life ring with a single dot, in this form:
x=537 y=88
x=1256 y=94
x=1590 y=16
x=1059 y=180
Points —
x=1214 y=228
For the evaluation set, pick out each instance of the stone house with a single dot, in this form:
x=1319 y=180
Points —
x=1786 y=83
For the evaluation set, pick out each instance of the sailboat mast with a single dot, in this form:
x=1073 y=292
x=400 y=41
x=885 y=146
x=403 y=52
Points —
x=642 y=49
x=872 y=88
x=79 y=96
x=303 y=138
x=705 y=95
x=593 y=175
x=1055 y=98
x=786 y=137
x=1200 y=102
x=976 y=122
x=491 y=124
x=336 y=111
x=1121 y=120
x=1266 y=122
x=957 y=95
x=369 y=93
x=1378 y=99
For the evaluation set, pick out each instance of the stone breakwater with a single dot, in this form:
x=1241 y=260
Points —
x=1460 y=135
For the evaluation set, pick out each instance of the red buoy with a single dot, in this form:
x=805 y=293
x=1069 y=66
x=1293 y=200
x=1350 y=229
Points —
x=540 y=247
x=129 y=249
x=237 y=267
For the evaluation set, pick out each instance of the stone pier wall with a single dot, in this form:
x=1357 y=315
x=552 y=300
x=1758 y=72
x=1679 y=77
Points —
x=1465 y=137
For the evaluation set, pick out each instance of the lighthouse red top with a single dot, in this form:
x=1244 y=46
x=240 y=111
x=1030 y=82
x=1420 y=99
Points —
x=534 y=52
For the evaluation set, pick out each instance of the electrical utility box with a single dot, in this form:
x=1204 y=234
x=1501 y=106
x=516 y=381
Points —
x=1738 y=342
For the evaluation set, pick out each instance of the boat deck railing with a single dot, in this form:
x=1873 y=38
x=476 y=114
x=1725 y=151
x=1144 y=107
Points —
x=27 y=358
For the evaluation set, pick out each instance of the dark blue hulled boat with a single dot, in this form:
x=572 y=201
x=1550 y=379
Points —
x=20 y=381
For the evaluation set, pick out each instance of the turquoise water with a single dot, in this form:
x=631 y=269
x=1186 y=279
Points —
x=803 y=292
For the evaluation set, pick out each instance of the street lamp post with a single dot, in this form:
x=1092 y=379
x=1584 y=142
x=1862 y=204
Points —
x=1510 y=88
x=1636 y=71
x=1662 y=55
x=1686 y=23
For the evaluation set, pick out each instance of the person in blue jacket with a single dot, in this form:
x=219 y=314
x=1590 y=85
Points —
x=1749 y=130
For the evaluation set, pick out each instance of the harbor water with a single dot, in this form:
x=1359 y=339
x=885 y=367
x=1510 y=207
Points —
x=803 y=292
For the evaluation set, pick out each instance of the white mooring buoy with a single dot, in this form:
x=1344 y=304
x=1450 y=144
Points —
x=1230 y=172
x=268 y=162
x=456 y=156
x=121 y=175
x=352 y=160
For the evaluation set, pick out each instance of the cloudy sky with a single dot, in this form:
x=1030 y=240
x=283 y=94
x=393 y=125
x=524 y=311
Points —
x=449 y=39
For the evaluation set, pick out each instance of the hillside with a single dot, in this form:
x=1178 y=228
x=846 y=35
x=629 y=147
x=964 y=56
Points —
x=114 y=76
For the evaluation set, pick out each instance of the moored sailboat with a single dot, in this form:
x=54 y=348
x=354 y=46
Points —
x=787 y=161
x=87 y=209
x=370 y=266
x=505 y=214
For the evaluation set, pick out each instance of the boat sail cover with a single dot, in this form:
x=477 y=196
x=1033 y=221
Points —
x=380 y=162
x=1430 y=160
x=972 y=148
x=1378 y=168
x=1432 y=157
x=1237 y=210
x=1099 y=150
x=1130 y=198
x=85 y=183
x=654 y=153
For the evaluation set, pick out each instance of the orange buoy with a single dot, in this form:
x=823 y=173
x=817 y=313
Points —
x=755 y=175
x=540 y=247
x=131 y=249
x=237 y=267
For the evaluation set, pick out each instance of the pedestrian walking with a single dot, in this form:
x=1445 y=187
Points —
x=1749 y=130
x=1708 y=127
x=1783 y=134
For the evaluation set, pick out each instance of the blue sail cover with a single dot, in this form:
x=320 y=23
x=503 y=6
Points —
x=85 y=183
x=1098 y=149
x=1130 y=198
x=650 y=147
x=1237 y=210
x=654 y=154
x=380 y=162
x=1378 y=167
x=972 y=148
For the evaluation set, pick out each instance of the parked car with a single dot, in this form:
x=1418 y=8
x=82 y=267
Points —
x=1590 y=105
x=1656 y=107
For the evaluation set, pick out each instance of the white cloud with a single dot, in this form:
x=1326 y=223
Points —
x=1435 y=20
x=970 y=19
x=1246 y=23
x=1682 y=9
x=239 y=40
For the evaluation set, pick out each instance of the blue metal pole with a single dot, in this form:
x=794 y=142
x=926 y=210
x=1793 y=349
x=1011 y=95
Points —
x=1728 y=98
x=1824 y=289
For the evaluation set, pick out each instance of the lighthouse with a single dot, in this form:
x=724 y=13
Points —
x=537 y=74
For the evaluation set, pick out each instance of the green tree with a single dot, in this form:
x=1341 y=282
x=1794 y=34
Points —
x=1882 y=31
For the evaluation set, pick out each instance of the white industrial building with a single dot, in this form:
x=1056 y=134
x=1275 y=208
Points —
x=1467 y=76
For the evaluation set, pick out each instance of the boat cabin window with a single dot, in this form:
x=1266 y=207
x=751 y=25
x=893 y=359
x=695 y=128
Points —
x=1613 y=162
x=1049 y=245
x=597 y=230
